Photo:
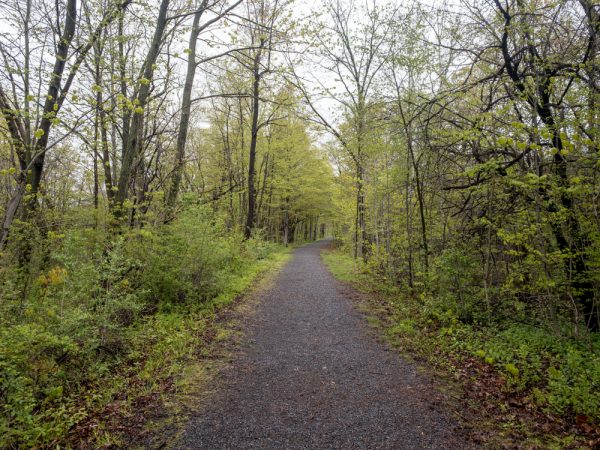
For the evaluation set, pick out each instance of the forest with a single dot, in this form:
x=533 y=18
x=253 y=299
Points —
x=158 y=156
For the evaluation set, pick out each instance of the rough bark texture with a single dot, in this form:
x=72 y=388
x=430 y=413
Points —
x=186 y=107
x=256 y=76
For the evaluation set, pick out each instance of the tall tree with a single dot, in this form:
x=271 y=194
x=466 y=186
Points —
x=132 y=133
x=31 y=138
x=262 y=20
x=186 y=99
x=351 y=48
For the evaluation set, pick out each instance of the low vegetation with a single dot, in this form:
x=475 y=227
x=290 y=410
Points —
x=536 y=369
x=93 y=319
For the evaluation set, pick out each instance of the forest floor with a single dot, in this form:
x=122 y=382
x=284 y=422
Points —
x=309 y=372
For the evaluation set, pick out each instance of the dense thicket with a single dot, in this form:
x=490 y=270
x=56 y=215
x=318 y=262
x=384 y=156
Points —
x=470 y=144
x=148 y=151
x=468 y=158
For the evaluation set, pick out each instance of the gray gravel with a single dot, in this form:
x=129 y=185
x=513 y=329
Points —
x=313 y=376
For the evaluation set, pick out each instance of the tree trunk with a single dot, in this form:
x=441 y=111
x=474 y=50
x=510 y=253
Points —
x=250 y=218
x=50 y=104
x=286 y=224
x=419 y=189
x=361 y=231
x=186 y=106
x=132 y=146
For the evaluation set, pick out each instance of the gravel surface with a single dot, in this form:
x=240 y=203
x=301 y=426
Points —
x=314 y=376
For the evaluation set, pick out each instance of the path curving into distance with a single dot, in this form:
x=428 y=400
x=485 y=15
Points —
x=313 y=376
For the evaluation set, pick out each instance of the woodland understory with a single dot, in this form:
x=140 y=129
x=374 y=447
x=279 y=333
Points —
x=157 y=156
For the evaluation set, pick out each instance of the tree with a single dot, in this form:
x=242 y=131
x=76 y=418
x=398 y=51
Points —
x=541 y=73
x=30 y=135
x=131 y=133
x=186 y=100
x=263 y=19
x=351 y=51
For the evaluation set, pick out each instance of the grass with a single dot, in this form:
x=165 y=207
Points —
x=343 y=267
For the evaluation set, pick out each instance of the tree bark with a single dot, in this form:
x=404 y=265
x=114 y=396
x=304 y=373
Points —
x=256 y=76
x=132 y=146
x=186 y=107
x=51 y=105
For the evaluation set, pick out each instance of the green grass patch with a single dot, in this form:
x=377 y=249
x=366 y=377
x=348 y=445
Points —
x=344 y=267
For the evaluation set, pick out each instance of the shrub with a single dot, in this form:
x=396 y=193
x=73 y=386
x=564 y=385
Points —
x=457 y=281
x=574 y=383
x=82 y=311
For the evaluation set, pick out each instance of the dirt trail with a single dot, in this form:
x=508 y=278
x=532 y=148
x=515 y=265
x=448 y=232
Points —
x=313 y=376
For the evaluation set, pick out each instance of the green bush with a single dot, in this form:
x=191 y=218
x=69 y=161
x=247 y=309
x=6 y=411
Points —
x=95 y=303
x=33 y=385
x=574 y=383
x=191 y=260
x=457 y=280
x=565 y=375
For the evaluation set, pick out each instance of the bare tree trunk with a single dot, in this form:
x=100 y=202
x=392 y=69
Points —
x=419 y=190
x=11 y=212
x=49 y=109
x=593 y=24
x=101 y=122
x=132 y=145
x=186 y=106
x=95 y=149
x=106 y=162
x=251 y=217
x=411 y=279
x=361 y=230
x=123 y=81
x=263 y=185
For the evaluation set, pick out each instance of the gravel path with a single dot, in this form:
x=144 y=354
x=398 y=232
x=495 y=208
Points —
x=313 y=376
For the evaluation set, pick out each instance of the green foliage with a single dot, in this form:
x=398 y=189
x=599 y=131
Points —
x=343 y=266
x=139 y=299
x=456 y=283
x=560 y=373
x=33 y=377
x=574 y=384
x=188 y=261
